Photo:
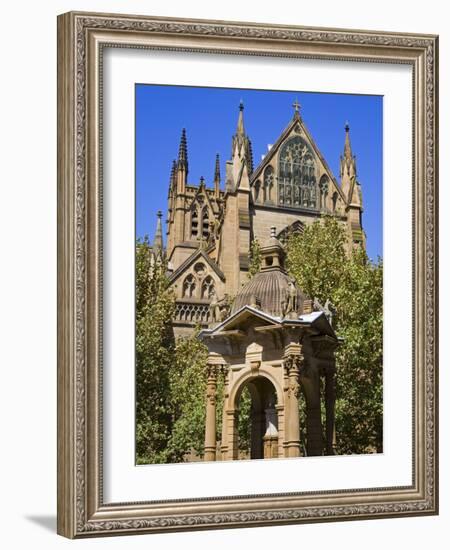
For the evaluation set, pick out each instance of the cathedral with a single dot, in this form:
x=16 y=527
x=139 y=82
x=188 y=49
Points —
x=211 y=226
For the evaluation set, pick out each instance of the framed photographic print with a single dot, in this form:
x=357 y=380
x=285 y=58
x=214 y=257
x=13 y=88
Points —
x=247 y=277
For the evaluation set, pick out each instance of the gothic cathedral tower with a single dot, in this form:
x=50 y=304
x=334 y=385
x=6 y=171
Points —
x=210 y=230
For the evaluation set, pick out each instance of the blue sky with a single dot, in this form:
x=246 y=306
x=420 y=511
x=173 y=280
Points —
x=210 y=116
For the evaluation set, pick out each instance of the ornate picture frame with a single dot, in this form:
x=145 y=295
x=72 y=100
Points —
x=82 y=39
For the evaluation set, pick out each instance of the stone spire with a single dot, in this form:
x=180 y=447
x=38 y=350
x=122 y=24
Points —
x=241 y=145
x=348 y=161
x=217 y=176
x=173 y=178
x=240 y=125
x=182 y=152
x=158 y=240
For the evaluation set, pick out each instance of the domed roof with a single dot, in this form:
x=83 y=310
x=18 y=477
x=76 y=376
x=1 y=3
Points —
x=271 y=290
x=268 y=291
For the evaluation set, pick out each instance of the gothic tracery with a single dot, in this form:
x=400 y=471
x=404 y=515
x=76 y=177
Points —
x=296 y=175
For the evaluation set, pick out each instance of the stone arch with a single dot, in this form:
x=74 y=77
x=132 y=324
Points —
x=269 y=181
x=208 y=287
x=324 y=186
x=256 y=191
x=335 y=199
x=247 y=376
x=189 y=286
x=296 y=175
x=264 y=419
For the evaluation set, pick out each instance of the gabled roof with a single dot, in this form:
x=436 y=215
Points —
x=203 y=191
x=275 y=147
x=200 y=253
x=316 y=318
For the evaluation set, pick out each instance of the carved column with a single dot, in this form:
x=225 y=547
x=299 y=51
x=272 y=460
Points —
x=281 y=433
x=210 y=429
x=292 y=364
x=226 y=394
x=330 y=400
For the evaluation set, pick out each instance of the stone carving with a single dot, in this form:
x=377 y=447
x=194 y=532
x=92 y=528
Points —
x=293 y=387
x=291 y=300
x=193 y=313
x=214 y=308
x=219 y=309
x=254 y=366
x=293 y=362
x=211 y=396
x=328 y=309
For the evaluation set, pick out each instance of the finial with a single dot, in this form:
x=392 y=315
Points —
x=217 y=169
x=296 y=106
x=347 y=126
x=158 y=240
x=173 y=171
x=273 y=231
x=241 y=105
x=182 y=152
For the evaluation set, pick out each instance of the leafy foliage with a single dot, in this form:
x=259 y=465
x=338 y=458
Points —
x=154 y=309
x=244 y=422
x=318 y=261
x=187 y=389
x=170 y=376
x=255 y=258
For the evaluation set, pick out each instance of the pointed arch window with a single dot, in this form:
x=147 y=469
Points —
x=256 y=190
x=194 y=223
x=268 y=184
x=335 y=199
x=207 y=288
x=323 y=188
x=205 y=222
x=297 y=185
x=189 y=287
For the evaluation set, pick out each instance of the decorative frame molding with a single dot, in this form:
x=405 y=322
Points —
x=81 y=37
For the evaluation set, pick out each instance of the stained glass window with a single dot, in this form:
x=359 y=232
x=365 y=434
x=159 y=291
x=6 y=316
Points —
x=297 y=186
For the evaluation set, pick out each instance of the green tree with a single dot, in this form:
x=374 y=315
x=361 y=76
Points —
x=318 y=260
x=255 y=258
x=170 y=375
x=188 y=388
x=154 y=342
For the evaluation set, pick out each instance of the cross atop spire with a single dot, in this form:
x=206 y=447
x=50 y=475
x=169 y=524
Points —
x=240 y=125
x=297 y=107
x=347 y=147
x=348 y=161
